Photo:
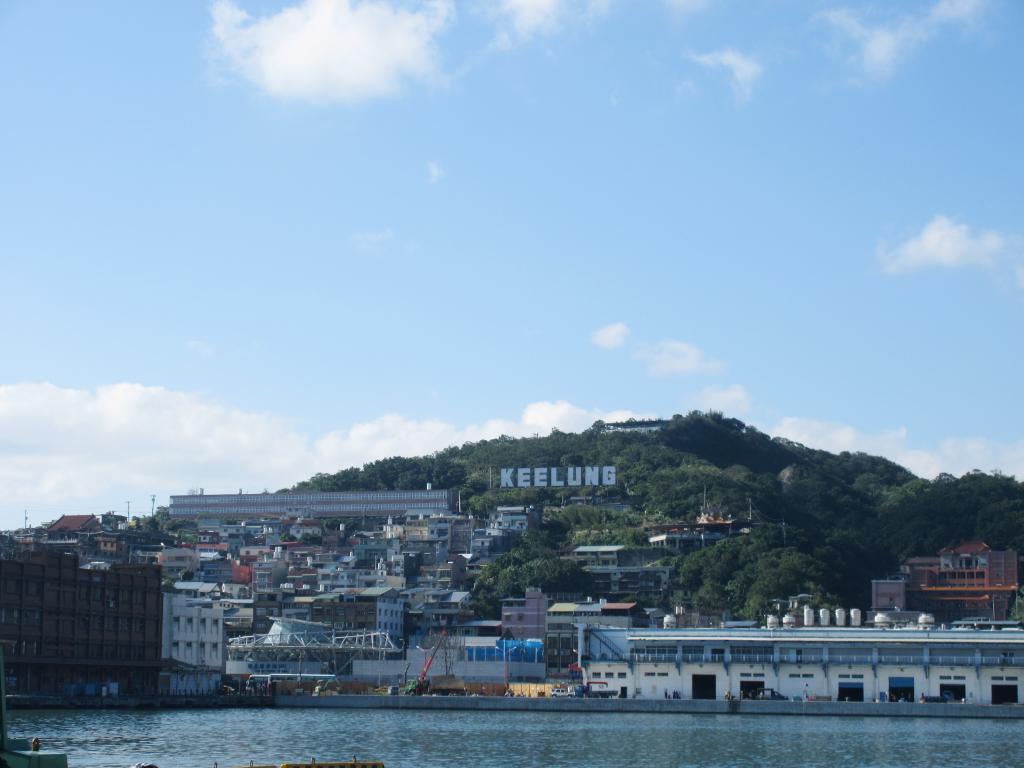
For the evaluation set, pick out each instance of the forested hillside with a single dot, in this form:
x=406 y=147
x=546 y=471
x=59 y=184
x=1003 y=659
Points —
x=823 y=523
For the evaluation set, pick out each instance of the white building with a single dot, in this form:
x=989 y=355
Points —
x=814 y=662
x=194 y=635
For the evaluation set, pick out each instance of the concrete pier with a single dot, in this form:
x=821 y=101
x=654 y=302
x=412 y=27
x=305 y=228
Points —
x=661 y=706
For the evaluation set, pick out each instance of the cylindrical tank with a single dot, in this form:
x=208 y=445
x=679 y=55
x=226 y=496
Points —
x=840 y=617
x=669 y=622
x=883 y=620
x=773 y=622
x=808 y=616
x=824 y=616
x=926 y=621
x=788 y=621
x=855 y=617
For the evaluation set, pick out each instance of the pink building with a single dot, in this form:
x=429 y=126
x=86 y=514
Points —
x=525 y=618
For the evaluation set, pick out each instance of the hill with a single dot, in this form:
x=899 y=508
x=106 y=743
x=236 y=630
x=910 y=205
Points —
x=823 y=523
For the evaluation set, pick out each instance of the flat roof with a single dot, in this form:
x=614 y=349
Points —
x=827 y=635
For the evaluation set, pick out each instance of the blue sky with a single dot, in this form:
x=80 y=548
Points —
x=242 y=242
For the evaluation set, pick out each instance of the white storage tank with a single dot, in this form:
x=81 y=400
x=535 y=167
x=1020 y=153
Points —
x=808 y=616
x=788 y=621
x=855 y=617
x=882 y=620
x=840 y=617
x=926 y=621
x=669 y=622
x=824 y=616
x=773 y=622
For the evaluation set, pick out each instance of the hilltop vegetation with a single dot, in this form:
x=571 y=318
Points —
x=825 y=524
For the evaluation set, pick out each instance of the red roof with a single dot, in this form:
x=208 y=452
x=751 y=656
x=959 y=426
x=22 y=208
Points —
x=618 y=606
x=74 y=524
x=966 y=548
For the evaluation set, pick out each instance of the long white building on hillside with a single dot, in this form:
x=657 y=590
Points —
x=821 y=663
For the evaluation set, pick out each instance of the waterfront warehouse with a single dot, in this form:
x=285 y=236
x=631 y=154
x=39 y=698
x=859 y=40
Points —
x=813 y=663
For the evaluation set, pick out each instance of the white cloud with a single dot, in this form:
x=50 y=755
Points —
x=943 y=243
x=522 y=20
x=743 y=71
x=729 y=400
x=882 y=47
x=670 y=357
x=62 y=446
x=333 y=50
x=610 y=336
x=434 y=172
x=953 y=455
x=683 y=8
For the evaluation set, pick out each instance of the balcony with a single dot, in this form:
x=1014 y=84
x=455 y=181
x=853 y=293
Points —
x=752 y=658
x=1006 y=660
x=902 y=661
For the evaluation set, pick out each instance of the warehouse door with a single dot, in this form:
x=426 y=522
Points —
x=750 y=689
x=952 y=692
x=901 y=689
x=1004 y=694
x=851 y=692
x=704 y=687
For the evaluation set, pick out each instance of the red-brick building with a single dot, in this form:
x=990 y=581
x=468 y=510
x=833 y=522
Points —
x=970 y=579
x=71 y=630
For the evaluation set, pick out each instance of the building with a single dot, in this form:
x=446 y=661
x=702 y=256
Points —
x=176 y=561
x=525 y=618
x=643 y=426
x=968 y=580
x=73 y=527
x=354 y=504
x=194 y=635
x=617 y=571
x=561 y=638
x=78 y=631
x=375 y=609
x=820 y=663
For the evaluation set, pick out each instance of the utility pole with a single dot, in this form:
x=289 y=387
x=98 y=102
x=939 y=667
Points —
x=129 y=510
x=152 y=504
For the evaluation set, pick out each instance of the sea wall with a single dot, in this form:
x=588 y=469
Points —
x=664 y=706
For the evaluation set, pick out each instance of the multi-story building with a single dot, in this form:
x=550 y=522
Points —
x=193 y=631
x=617 y=571
x=970 y=579
x=77 y=631
x=431 y=610
x=376 y=609
x=355 y=504
x=450 y=534
x=561 y=642
x=175 y=561
x=814 y=662
x=525 y=618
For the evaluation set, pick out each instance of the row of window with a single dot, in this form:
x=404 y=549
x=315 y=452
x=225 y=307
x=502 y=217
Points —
x=48 y=649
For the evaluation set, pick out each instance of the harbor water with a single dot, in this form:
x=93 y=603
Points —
x=459 y=739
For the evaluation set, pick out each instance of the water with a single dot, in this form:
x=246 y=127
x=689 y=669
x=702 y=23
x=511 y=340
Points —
x=198 y=738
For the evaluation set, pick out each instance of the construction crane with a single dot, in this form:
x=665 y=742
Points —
x=419 y=686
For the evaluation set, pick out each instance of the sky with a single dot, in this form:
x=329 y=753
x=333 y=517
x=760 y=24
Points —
x=245 y=241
